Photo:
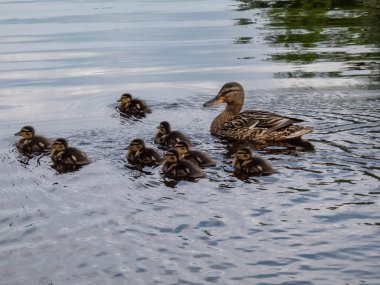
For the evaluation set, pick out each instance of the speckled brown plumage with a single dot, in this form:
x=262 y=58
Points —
x=252 y=125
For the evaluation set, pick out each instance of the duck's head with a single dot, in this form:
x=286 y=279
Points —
x=244 y=154
x=164 y=128
x=232 y=93
x=125 y=99
x=182 y=147
x=136 y=145
x=171 y=156
x=59 y=145
x=26 y=132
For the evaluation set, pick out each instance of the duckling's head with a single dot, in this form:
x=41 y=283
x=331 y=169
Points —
x=26 y=132
x=136 y=145
x=182 y=147
x=244 y=154
x=232 y=93
x=59 y=145
x=171 y=156
x=125 y=99
x=164 y=128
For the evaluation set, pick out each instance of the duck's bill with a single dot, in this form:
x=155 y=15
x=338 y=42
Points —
x=18 y=134
x=216 y=101
x=118 y=100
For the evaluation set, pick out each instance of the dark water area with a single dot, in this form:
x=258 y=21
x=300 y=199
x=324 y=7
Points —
x=65 y=63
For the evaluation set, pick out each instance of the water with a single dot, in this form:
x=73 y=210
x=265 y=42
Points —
x=64 y=64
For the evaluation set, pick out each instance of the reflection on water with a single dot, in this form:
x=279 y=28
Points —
x=65 y=63
x=310 y=32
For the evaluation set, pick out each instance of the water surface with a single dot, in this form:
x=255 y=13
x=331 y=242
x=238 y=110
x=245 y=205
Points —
x=64 y=64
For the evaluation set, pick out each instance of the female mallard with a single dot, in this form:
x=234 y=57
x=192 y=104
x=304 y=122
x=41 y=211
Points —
x=174 y=167
x=250 y=125
x=132 y=107
x=67 y=158
x=245 y=163
x=141 y=155
x=168 y=138
x=197 y=157
x=30 y=143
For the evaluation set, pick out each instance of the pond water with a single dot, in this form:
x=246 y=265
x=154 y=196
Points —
x=65 y=63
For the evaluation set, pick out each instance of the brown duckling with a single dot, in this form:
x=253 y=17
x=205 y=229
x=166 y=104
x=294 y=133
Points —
x=245 y=162
x=139 y=154
x=197 y=157
x=174 y=167
x=132 y=107
x=168 y=138
x=67 y=158
x=30 y=143
x=251 y=125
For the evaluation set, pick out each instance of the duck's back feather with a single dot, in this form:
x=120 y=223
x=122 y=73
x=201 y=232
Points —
x=260 y=119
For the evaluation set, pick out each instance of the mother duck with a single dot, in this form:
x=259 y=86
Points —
x=251 y=125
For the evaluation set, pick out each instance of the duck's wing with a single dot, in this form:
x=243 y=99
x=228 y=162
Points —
x=261 y=135
x=254 y=135
x=139 y=106
x=77 y=156
x=260 y=119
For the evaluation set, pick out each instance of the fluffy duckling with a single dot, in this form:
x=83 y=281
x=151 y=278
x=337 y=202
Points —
x=168 y=138
x=132 y=107
x=175 y=168
x=67 y=158
x=197 y=157
x=139 y=154
x=30 y=143
x=245 y=162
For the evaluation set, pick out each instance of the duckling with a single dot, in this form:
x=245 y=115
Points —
x=197 y=157
x=251 y=125
x=132 y=107
x=175 y=168
x=168 y=138
x=30 y=143
x=139 y=154
x=245 y=162
x=67 y=158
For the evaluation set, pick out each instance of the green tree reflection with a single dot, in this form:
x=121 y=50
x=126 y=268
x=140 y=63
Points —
x=309 y=31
